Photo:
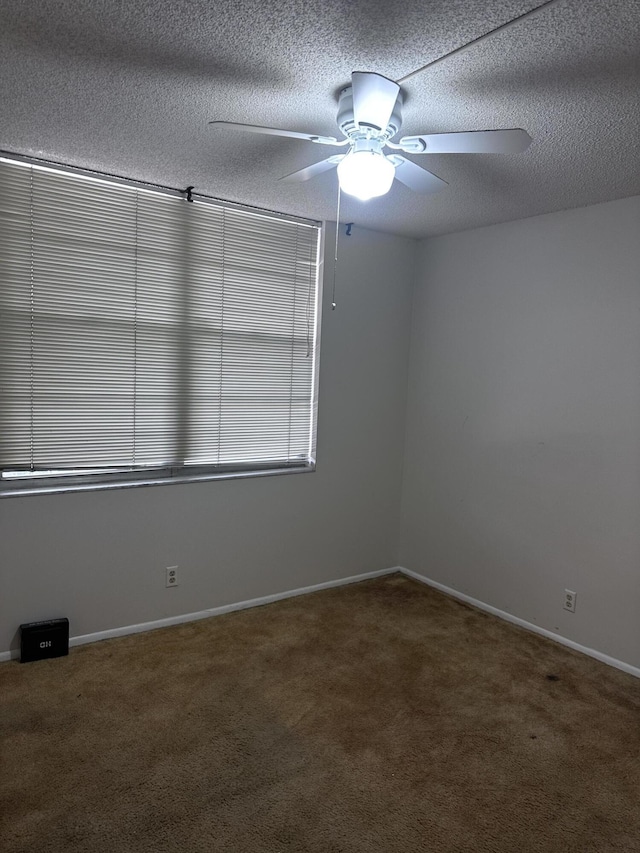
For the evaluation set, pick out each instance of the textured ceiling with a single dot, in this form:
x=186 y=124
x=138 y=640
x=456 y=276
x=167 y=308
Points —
x=128 y=87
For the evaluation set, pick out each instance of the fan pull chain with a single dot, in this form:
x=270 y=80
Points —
x=335 y=255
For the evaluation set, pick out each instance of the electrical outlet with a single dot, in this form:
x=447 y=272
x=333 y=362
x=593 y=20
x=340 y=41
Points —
x=570 y=600
x=172 y=576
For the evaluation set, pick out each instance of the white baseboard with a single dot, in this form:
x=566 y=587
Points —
x=205 y=614
x=279 y=596
x=529 y=626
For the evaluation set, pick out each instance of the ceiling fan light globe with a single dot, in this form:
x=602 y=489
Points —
x=365 y=174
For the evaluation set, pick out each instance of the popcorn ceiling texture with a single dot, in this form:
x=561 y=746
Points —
x=128 y=88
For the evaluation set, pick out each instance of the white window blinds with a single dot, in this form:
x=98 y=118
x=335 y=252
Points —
x=141 y=332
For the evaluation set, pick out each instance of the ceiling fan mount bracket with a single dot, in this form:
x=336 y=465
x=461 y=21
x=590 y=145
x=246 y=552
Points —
x=414 y=146
x=353 y=131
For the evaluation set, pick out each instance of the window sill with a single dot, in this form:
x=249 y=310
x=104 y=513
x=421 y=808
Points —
x=75 y=484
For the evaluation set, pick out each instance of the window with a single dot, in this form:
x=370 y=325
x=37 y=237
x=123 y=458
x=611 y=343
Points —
x=145 y=338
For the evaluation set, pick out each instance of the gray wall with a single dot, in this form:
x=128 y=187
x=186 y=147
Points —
x=522 y=462
x=100 y=557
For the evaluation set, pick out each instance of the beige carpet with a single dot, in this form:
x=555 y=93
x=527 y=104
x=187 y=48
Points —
x=377 y=717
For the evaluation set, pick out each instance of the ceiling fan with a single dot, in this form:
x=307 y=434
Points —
x=369 y=117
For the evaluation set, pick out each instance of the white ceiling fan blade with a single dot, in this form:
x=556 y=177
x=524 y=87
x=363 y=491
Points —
x=415 y=177
x=511 y=141
x=276 y=131
x=374 y=98
x=315 y=169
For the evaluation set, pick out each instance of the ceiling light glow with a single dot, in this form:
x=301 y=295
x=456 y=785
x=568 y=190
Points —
x=365 y=173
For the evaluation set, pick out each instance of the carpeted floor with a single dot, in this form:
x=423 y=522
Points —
x=377 y=717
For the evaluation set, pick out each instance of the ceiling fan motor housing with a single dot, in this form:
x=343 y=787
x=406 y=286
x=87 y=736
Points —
x=346 y=121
